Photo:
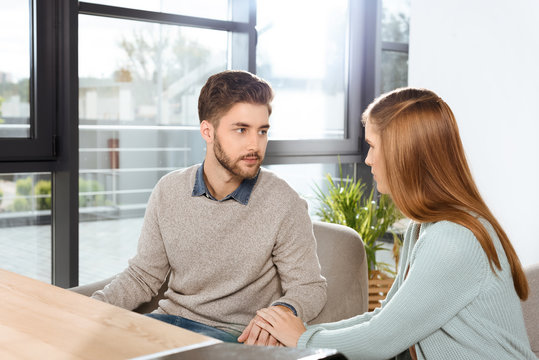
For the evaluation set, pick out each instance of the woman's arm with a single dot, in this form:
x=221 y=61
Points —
x=361 y=318
x=447 y=271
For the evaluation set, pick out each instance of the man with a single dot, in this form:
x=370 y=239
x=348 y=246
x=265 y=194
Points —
x=234 y=237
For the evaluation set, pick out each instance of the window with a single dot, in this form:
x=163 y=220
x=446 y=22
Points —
x=137 y=107
x=111 y=106
x=15 y=69
x=35 y=225
x=306 y=179
x=317 y=65
x=305 y=58
x=138 y=120
x=27 y=118
x=25 y=226
x=394 y=50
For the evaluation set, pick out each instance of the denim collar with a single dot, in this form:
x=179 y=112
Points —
x=241 y=194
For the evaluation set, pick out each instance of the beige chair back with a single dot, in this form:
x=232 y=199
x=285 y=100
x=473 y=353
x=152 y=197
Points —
x=530 y=307
x=344 y=265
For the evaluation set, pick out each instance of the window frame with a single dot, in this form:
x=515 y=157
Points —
x=40 y=145
x=361 y=42
x=54 y=145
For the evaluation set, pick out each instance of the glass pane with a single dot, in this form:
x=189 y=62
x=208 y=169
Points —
x=14 y=69
x=304 y=58
x=25 y=224
x=138 y=116
x=214 y=9
x=396 y=20
x=394 y=72
x=306 y=178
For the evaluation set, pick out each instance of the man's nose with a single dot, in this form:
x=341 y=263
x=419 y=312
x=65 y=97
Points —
x=254 y=142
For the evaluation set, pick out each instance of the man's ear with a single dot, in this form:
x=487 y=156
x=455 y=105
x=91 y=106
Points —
x=207 y=131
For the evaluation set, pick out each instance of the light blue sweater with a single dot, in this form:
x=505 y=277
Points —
x=451 y=305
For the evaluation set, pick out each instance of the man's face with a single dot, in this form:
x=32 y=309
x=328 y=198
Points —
x=241 y=139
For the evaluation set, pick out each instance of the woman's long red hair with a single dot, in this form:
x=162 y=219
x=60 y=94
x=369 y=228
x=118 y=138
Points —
x=427 y=171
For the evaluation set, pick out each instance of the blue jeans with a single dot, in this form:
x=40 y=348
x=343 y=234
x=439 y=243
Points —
x=196 y=327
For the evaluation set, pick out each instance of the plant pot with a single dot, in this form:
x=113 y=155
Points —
x=379 y=286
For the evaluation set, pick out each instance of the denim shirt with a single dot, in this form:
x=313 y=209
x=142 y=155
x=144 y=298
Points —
x=241 y=195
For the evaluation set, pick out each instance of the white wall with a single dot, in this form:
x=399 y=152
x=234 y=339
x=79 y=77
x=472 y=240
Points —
x=482 y=57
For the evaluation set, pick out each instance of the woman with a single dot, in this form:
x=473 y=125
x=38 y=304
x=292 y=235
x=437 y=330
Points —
x=459 y=285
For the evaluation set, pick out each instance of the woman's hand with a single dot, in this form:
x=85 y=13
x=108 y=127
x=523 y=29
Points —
x=281 y=324
x=255 y=335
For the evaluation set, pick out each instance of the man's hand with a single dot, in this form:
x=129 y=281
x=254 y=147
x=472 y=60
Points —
x=255 y=335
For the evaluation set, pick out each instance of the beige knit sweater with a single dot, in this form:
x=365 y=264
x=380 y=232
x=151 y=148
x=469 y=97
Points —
x=227 y=260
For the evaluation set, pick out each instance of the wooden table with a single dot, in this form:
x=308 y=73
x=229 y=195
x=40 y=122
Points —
x=42 y=321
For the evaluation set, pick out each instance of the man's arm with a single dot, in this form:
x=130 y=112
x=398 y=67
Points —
x=297 y=263
x=146 y=271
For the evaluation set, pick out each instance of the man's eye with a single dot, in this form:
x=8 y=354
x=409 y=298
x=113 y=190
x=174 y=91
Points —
x=263 y=132
x=240 y=130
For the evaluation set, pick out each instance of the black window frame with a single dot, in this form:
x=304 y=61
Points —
x=39 y=145
x=53 y=143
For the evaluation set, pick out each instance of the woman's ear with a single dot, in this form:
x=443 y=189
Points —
x=207 y=131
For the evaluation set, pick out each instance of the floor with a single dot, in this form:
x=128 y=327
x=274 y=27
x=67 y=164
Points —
x=104 y=248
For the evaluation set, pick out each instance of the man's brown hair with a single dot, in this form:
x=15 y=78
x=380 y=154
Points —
x=225 y=89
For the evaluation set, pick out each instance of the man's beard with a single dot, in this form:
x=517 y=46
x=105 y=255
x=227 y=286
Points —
x=232 y=166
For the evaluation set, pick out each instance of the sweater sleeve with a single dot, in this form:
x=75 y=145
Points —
x=356 y=320
x=146 y=271
x=446 y=273
x=361 y=318
x=296 y=260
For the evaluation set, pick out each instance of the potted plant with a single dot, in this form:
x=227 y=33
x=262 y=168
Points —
x=347 y=202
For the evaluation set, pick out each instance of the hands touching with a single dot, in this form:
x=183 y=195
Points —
x=274 y=326
x=282 y=324
x=255 y=335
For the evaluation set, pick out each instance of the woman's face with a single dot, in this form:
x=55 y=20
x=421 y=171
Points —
x=375 y=158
